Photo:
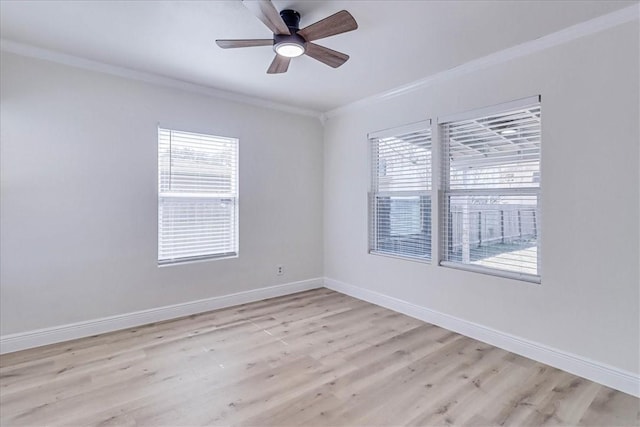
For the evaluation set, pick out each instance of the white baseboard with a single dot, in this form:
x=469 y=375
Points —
x=56 y=334
x=608 y=375
x=601 y=373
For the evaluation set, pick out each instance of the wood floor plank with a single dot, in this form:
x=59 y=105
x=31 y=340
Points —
x=316 y=358
x=612 y=408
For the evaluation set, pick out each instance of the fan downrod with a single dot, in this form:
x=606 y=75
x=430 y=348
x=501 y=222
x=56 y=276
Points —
x=291 y=18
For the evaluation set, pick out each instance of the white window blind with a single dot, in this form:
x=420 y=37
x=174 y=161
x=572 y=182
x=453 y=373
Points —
x=198 y=196
x=491 y=182
x=400 y=199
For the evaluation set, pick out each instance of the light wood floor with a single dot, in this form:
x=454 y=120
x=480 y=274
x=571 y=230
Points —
x=313 y=358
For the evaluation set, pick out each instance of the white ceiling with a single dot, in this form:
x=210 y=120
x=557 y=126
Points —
x=397 y=41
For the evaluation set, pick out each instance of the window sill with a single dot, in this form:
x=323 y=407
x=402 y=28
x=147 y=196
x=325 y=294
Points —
x=196 y=260
x=402 y=257
x=524 y=277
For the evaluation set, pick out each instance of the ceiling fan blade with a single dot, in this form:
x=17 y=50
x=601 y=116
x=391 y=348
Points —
x=331 y=57
x=230 y=44
x=279 y=65
x=337 y=23
x=268 y=14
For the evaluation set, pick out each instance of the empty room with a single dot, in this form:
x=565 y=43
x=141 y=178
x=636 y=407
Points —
x=319 y=213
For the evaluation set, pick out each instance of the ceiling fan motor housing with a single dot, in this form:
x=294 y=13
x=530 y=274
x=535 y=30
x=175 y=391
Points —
x=292 y=19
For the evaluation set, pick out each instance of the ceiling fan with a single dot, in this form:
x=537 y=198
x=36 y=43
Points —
x=289 y=41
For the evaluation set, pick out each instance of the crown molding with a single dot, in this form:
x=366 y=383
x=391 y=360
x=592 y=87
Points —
x=595 y=25
x=87 y=64
x=598 y=24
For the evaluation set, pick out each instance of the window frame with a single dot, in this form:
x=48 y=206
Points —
x=191 y=196
x=444 y=211
x=425 y=202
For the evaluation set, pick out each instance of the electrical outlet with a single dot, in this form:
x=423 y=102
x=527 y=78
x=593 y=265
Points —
x=279 y=270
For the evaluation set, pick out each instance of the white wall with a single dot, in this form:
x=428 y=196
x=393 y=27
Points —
x=588 y=302
x=79 y=195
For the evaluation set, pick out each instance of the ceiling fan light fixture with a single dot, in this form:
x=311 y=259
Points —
x=289 y=49
x=289 y=46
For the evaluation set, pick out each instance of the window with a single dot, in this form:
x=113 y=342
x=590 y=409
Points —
x=491 y=182
x=400 y=199
x=198 y=196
